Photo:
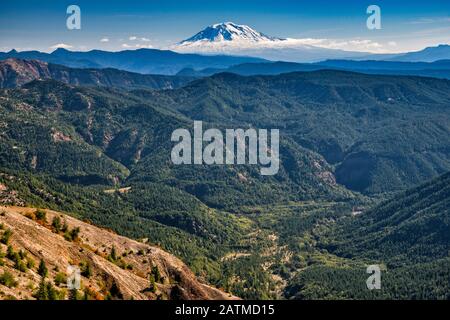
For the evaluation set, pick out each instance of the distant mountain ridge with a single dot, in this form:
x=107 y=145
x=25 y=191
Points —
x=429 y=54
x=437 y=69
x=153 y=61
x=146 y=61
x=16 y=72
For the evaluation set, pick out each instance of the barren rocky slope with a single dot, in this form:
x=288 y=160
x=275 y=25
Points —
x=119 y=268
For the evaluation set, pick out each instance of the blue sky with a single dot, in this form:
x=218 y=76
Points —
x=41 y=25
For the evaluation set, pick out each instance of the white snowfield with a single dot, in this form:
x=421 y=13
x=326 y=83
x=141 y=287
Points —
x=232 y=38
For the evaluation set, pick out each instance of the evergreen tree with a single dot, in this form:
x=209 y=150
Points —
x=42 y=293
x=42 y=269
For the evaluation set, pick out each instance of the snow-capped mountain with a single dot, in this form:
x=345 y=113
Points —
x=235 y=39
x=229 y=31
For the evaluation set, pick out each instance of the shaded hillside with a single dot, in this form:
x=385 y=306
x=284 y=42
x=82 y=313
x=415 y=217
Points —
x=16 y=72
x=407 y=236
x=112 y=266
x=124 y=137
x=422 y=281
x=382 y=133
x=412 y=226
x=437 y=69
x=231 y=94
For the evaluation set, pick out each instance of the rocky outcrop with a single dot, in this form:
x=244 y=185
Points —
x=17 y=72
x=119 y=268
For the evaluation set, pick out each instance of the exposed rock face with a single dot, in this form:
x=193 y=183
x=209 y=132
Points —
x=128 y=272
x=17 y=72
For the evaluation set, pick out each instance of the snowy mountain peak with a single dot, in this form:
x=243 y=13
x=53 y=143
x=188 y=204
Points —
x=231 y=38
x=229 y=31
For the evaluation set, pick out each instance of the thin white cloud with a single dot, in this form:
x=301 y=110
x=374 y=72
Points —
x=104 y=40
x=136 y=46
x=132 y=38
x=432 y=31
x=145 y=39
x=360 y=45
x=429 y=20
x=61 y=45
x=363 y=45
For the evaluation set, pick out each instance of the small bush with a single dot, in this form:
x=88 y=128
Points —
x=56 y=223
x=7 y=279
x=85 y=269
x=41 y=215
x=113 y=255
x=60 y=278
x=156 y=274
x=6 y=236
x=30 y=263
x=22 y=254
x=10 y=253
x=64 y=226
x=20 y=265
x=72 y=235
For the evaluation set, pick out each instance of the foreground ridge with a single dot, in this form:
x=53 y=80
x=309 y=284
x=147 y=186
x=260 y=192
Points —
x=112 y=266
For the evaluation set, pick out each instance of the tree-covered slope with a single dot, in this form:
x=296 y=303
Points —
x=134 y=132
x=104 y=154
x=412 y=226
x=407 y=236
x=436 y=69
x=381 y=133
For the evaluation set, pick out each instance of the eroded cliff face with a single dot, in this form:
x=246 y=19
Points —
x=111 y=266
x=16 y=72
